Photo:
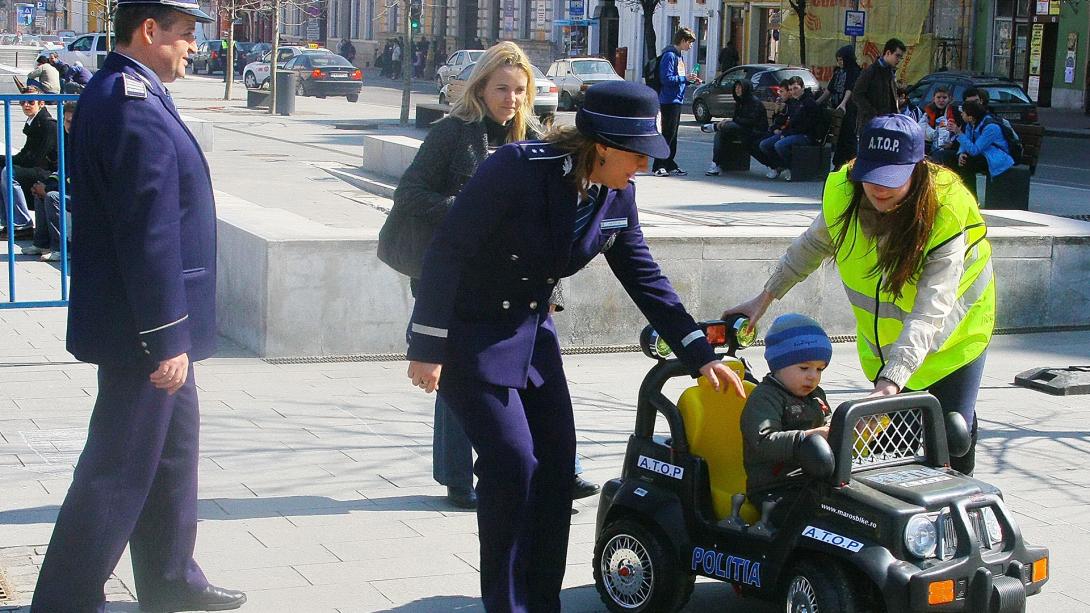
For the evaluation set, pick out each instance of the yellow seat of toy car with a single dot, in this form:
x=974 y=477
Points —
x=713 y=427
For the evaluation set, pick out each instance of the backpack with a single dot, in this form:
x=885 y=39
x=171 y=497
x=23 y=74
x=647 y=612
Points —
x=1014 y=143
x=651 y=73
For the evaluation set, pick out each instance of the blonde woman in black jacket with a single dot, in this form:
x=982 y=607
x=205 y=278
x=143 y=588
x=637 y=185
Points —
x=496 y=109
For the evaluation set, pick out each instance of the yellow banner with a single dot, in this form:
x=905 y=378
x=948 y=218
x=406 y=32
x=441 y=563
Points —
x=824 y=26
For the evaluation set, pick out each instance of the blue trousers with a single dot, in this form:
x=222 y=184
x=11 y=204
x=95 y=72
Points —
x=525 y=442
x=451 y=451
x=777 y=148
x=135 y=483
x=957 y=392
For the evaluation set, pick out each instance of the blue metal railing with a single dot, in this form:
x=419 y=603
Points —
x=9 y=193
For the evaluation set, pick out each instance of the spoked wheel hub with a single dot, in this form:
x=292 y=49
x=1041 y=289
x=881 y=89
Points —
x=801 y=597
x=627 y=571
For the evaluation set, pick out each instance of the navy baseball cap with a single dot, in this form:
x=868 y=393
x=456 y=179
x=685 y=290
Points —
x=889 y=148
x=624 y=115
x=184 y=6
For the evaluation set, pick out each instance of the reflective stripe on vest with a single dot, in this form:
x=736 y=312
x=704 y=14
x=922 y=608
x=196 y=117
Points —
x=880 y=317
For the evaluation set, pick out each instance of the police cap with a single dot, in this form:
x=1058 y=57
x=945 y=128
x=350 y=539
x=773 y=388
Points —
x=185 y=6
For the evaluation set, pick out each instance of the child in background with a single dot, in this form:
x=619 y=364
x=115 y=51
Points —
x=786 y=406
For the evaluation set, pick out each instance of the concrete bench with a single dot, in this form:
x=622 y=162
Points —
x=810 y=162
x=203 y=131
x=734 y=156
x=388 y=155
x=427 y=114
x=257 y=98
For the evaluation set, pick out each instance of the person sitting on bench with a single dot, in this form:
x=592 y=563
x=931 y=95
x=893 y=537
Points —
x=981 y=145
x=801 y=122
x=748 y=126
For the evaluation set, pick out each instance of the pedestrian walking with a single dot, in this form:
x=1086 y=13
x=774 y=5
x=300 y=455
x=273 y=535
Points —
x=142 y=309
x=875 y=90
x=674 y=80
x=728 y=57
x=347 y=50
x=395 y=60
x=839 y=96
x=910 y=245
x=482 y=335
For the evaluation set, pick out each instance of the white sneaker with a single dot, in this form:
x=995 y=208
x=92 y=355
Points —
x=772 y=173
x=787 y=175
x=661 y=172
x=52 y=256
x=713 y=170
x=707 y=128
x=32 y=250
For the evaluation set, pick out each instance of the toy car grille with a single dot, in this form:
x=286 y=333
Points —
x=989 y=535
x=888 y=437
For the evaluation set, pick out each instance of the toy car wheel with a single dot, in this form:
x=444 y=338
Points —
x=817 y=587
x=635 y=570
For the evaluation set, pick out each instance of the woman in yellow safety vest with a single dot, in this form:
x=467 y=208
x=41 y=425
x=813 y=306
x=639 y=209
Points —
x=909 y=244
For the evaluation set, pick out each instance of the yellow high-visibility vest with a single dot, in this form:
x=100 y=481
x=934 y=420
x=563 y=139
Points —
x=880 y=316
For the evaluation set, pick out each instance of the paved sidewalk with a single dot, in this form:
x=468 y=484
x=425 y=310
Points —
x=316 y=491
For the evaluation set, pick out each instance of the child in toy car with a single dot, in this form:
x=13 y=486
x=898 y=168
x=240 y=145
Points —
x=787 y=406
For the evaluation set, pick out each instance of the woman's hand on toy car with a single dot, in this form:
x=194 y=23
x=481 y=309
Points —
x=884 y=387
x=425 y=375
x=823 y=431
x=722 y=378
x=754 y=309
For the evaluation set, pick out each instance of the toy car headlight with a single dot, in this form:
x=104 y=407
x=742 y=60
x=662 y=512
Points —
x=921 y=536
x=744 y=333
x=653 y=345
x=991 y=524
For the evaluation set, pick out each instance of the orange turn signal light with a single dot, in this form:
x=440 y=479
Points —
x=1040 y=570
x=940 y=592
x=717 y=335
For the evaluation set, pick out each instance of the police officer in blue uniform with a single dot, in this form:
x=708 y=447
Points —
x=534 y=213
x=143 y=309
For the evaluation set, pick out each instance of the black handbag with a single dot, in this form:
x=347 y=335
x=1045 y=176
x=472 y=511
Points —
x=403 y=240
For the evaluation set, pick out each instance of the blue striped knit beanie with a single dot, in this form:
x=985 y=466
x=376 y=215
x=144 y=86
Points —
x=795 y=338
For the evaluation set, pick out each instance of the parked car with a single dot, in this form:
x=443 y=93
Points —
x=325 y=74
x=67 y=36
x=455 y=64
x=1006 y=98
x=88 y=49
x=51 y=41
x=545 y=91
x=253 y=54
x=256 y=74
x=242 y=51
x=210 y=57
x=716 y=98
x=8 y=39
x=574 y=75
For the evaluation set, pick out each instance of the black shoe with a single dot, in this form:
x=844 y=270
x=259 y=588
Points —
x=461 y=497
x=212 y=598
x=20 y=233
x=583 y=488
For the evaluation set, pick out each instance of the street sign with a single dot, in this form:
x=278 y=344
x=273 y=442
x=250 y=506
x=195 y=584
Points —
x=576 y=22
x=855 y=23
x=42 y=6
x=575 y=8
x=26 y=14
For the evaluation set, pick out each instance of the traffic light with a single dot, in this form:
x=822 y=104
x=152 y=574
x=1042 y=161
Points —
x=414 y=14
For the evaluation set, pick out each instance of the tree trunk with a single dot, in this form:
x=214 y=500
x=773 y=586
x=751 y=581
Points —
x=229 y=64
x=272 y=56
x=406 y=65
x=802 y=38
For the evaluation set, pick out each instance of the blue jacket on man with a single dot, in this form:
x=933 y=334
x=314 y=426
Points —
x=492 y=267
x=144 y=226
x=986 y=139
x=674 y=81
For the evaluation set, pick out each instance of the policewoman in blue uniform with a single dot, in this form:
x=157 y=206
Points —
x=143 y=309
x=533 y=213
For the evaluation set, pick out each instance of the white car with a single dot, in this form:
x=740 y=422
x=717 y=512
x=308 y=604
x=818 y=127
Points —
x=88 y=49
x=574 y=75
x=256 y=74
x=455 y=64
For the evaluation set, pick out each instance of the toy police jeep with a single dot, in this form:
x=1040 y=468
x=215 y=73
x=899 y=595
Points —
x=875 y=521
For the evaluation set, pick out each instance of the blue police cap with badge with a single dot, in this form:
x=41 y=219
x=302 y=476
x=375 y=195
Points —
x=189 y=8
x=624 y=115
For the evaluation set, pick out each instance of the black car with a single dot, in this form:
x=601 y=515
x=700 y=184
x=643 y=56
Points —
x=210 y=57
x=1006 y=98
x=253 y=54
x=325 y=74
x=875 y=520
x=716 y=99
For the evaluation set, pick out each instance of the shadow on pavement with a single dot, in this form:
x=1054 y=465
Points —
x=439 y=603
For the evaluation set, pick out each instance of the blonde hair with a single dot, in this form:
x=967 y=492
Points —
x=470 y=108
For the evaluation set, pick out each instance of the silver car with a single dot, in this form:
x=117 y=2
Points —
x=574 y=75
x=455 y=64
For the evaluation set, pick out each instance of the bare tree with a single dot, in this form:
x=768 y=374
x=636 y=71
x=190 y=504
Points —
x=799 y=6
x=273 y=9
x=650 y=44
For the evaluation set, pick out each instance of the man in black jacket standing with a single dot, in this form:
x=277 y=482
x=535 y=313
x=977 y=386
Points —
x=747 y=127
x=875 y=90
x=32 y=163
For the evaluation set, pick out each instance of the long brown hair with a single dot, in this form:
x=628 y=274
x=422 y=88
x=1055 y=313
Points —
x=582 y=149
x=903 y=233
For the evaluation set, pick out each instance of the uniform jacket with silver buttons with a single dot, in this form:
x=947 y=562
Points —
x=482 y=303
x=144 y=225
